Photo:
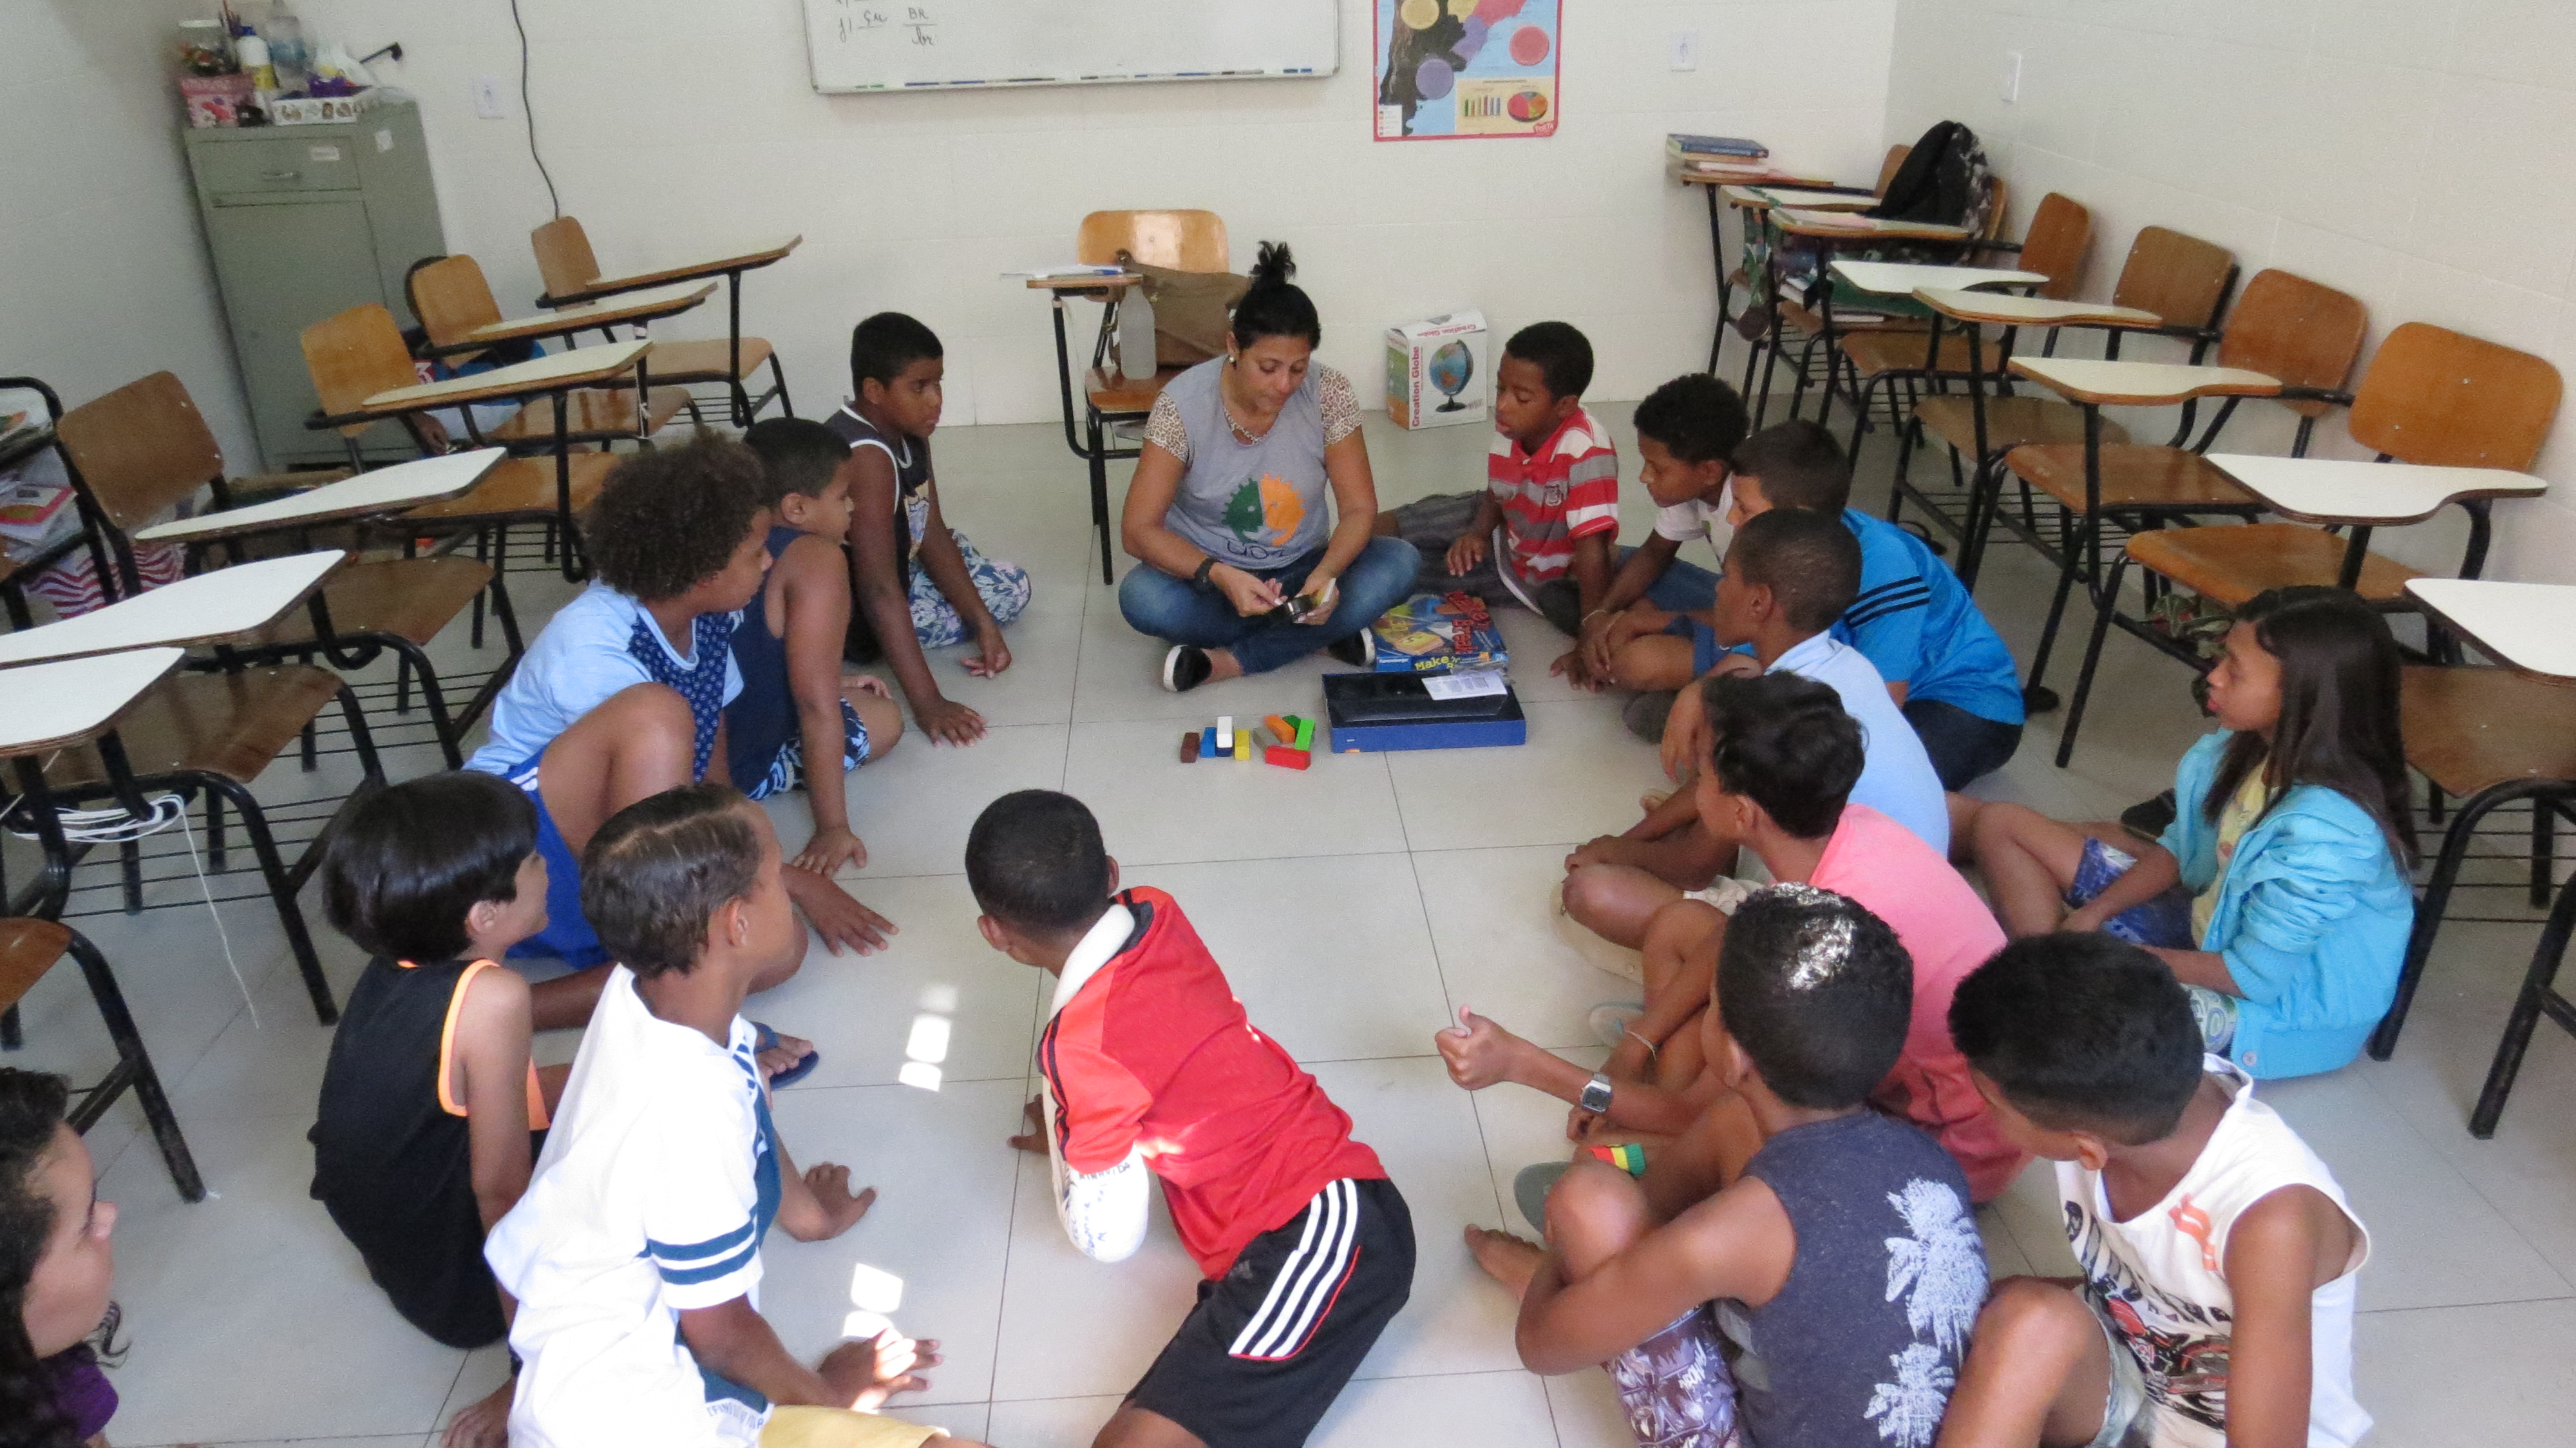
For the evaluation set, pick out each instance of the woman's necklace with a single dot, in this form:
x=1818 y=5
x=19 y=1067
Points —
x=1242 y=434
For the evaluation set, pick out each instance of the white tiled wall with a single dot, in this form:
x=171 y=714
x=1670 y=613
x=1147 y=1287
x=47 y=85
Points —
x=676 y=126
x=2415 y=153
x=103 y=272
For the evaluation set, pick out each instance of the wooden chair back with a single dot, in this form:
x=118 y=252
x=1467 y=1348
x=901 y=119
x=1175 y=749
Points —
x=2291 y=328
x=140 y=449
x=2436 y=397
x=451 y=298
x=564 y=258
x=1191 y=241
x=2060 y=236
x=1887 y=169
x=353 y=356
x=2182 y=279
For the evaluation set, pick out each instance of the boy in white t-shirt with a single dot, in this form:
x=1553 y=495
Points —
x=2219 y=1255
x=635 y=1252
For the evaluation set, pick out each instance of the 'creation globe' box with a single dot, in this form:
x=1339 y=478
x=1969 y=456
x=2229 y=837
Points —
x=1439 y=373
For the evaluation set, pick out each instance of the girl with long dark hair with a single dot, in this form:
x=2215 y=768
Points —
x=55 y=1272
x=2279 y=895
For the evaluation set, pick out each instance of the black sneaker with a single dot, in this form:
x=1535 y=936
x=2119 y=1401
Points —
x=2148 y=819
x=1185 y=668
x=1645 y=715
x=1359 y=650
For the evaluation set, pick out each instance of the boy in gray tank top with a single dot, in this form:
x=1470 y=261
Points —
x=1824 y=1299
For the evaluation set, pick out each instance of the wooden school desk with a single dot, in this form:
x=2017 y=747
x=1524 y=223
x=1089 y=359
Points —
x=555 y=376
x=1740 y=188
x=2530 y=627
x=207 y=608
x=384 y=493
x=638 y=307
x=1828 y=229
x=1974 y=311
x=2334 y=492
x=1114 y=405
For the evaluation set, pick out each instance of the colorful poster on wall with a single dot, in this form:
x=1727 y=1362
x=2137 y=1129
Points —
x=1453 y=69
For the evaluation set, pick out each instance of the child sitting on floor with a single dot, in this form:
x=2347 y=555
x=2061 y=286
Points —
x=918 y=583
x=1551 y=495
x=1944 y=664
x=2166 y=1165
x=57 y=1272
x=2280 y=893
x=1687 y=433
x=1153 y=1071
x=622 y=695
x=1775 y=781
x=431 y=1109
x=796 y=705
x=1825 y=1296
x=635 y=1252
x=1788 y=576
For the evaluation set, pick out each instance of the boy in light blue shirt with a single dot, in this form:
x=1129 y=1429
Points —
x=622 y=695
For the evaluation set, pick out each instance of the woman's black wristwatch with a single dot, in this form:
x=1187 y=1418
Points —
x=1199 y=580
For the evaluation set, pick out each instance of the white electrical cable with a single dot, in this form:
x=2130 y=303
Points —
x=118 y=826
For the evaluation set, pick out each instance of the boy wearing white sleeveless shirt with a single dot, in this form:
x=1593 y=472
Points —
x=2219 y=1254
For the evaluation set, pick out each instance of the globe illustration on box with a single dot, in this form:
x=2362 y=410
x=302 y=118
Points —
x=1451 y=368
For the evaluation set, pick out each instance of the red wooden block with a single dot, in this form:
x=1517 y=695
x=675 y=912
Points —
x=1287 y=758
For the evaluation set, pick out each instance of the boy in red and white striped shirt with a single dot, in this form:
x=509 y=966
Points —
x=1550 y=500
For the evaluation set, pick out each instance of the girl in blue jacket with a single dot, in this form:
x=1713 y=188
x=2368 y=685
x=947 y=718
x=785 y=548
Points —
x=2280 y=895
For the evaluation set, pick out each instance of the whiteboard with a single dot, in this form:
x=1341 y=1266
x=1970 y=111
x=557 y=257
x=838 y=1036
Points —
x=868 y=45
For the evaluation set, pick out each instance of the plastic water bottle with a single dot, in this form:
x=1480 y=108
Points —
x=286 y=50
x=1136 y=336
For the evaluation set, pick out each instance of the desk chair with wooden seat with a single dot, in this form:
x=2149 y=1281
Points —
x=144 y=447
x=452 y=299
x=174 y=733
x=2055 y=246
x=1192 y=241
x=572 y=276
x=29 y=949
x=359 y=354
x=1751 y=323
x=2290 y=338
x=2183 y=281
x=1819 y=331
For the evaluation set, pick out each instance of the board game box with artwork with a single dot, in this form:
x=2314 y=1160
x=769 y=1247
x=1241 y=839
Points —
x=1437 y=633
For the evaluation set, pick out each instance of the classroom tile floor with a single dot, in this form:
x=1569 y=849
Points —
x=1356 y=908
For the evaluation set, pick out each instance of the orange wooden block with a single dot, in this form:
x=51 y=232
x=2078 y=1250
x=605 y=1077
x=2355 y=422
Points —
x=1287 y=758
x=1281 y=728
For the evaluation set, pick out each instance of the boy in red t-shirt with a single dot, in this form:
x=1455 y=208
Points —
x=1551 y=495
x=1152 y=1070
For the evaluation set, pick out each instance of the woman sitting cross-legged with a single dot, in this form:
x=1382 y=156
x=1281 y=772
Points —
x=1227 y=510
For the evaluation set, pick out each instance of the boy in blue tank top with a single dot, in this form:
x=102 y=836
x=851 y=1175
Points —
x=1824 y=1298
x=799 y=718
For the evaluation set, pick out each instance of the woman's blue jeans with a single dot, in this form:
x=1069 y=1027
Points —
x=1156 y=603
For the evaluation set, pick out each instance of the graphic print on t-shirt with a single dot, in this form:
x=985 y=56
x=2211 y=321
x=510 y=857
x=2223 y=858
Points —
x=1265 y=510
x=2186 y=1370
x=1939 y=1268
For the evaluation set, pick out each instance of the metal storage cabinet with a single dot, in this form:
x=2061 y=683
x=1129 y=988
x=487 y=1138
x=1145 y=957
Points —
x=305 y=222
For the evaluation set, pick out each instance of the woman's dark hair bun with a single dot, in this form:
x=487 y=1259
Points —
x=1272 y=266
x=1274 y=306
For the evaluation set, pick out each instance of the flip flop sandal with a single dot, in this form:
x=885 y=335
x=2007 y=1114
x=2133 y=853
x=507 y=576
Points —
x=803 y=1068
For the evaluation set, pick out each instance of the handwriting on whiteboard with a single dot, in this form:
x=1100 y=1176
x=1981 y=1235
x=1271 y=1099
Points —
x=857 y=18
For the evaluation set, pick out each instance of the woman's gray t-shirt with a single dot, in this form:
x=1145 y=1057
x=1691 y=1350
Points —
x=1260 y=504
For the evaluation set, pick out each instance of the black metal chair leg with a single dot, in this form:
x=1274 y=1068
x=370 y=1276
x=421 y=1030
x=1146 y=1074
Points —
x=1098 y=459
x=2544 y=849
x=134 y=1068
x=2536 y=1000
x=217 y=849
x=2437 y=899
x=129 y=867
x=281 y=891
x=2103 y=608
x=2032 y=690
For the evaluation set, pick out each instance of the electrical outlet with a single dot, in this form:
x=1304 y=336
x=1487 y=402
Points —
x=2012 y=77
x=1685 y=50
x=487 y=98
